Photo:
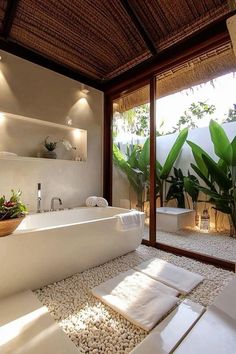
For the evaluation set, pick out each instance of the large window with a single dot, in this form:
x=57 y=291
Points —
x=131 y=152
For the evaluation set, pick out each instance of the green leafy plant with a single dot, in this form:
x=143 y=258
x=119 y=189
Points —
x=136 y=166
x=219 y=177
x=179 y=186
x=163 y=171
x=50 y=145
x=13 y=208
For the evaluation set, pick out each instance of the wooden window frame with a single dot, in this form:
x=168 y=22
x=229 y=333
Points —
x=132 y=84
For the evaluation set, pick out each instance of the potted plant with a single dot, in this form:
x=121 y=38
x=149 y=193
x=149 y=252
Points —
x=12 y=212
x=50 y=147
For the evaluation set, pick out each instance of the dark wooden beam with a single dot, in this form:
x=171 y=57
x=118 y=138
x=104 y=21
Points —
x=139 y=26
x=41 y=60
x=152 y=226
x=9 y=17
x=217 y=262
x=107 y=149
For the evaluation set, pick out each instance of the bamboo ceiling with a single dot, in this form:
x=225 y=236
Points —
x=197 y=71
x=104 y=38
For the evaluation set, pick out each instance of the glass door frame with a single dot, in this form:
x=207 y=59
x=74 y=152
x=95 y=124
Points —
x=107 y=165
x=131 y=83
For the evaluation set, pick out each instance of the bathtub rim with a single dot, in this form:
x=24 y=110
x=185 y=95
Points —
x=61 y=226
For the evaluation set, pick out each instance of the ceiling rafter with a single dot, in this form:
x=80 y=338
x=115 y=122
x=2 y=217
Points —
x=139 y=26
x=9 y=17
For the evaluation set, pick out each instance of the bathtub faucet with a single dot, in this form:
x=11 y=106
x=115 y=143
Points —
x=53 y=201
x=39 y=199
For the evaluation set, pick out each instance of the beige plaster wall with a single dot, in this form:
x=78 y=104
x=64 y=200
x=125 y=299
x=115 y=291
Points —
x=31 y=91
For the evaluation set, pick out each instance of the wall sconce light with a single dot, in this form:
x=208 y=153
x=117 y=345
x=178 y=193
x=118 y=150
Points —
x=84 y=90
x=0 y=58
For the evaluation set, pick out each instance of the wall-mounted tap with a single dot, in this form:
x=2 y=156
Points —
x=39 y=198
x=53 y=202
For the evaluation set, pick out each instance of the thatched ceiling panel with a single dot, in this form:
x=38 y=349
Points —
x=96 y=37
x=102 y=39
x=168 y=22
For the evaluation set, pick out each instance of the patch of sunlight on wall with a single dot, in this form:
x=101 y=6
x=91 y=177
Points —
x=6 y=93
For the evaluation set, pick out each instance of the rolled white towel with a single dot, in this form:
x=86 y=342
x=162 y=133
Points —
x=102 y=202
x=91 y=201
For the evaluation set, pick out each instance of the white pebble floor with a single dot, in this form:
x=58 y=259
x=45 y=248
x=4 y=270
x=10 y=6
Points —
x=214 y=244
x=97 y=329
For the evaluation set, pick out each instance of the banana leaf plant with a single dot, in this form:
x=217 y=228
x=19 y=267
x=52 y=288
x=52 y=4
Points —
x=219 y=177
x=136 y=166
x=163 y=171
x=180 y=185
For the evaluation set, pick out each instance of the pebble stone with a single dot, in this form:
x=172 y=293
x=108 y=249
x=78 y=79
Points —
x=97 y=329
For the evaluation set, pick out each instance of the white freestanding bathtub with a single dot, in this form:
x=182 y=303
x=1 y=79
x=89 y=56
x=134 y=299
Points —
x=51 y=246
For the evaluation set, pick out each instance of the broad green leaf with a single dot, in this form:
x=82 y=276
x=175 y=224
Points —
x=197 y=154
x=202 y=176
x=216 y=196
x=174 y=153
x=132 y=160
x=217 y=174
x=220 y=141
x=144 y=156
x=191 y=188
x=158 y=165
x=231 y=151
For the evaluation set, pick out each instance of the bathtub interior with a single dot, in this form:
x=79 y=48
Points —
x=67 y=217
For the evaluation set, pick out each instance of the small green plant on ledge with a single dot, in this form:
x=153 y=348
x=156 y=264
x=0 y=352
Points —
x=50 y=145
x=12 y=208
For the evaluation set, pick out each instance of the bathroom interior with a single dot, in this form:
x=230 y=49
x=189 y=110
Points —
x=95 y=258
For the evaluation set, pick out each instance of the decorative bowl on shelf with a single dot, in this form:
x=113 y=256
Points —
x=8 y=226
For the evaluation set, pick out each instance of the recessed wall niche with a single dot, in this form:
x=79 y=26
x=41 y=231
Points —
x=25 y=137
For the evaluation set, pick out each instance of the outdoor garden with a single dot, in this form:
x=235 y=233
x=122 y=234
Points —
x=195 y=169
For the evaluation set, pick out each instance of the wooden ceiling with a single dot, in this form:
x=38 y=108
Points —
x=98 y=41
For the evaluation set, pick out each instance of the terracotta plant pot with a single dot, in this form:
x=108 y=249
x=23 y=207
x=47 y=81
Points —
x=7 y=227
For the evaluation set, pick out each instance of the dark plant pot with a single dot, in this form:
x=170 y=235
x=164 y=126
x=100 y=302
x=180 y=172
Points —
x=50 y=154
x=8 y=226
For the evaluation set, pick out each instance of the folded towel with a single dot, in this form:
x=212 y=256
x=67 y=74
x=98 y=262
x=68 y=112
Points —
x=91 y=201
x=101 y=202
x=181 y=279
x=140 y=299
x=131 y=220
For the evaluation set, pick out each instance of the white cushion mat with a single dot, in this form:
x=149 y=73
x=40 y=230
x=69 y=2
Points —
x=181 y=279
x=139 y=298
